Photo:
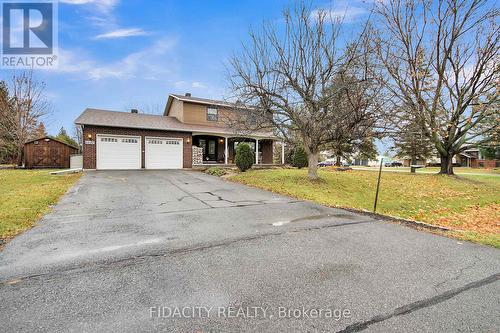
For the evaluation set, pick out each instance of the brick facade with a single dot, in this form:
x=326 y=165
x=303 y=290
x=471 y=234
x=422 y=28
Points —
x=89 y=150
x=487 y=164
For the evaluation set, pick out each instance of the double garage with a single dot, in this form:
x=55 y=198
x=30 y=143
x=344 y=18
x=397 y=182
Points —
x=116 y=152
x=112 y=148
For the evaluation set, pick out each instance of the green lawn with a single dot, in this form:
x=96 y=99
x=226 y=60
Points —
x=470 y=204
x=457 y=170
x=26 y=195
x=463 y=170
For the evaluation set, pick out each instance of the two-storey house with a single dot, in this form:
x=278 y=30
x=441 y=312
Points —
x=192 y=131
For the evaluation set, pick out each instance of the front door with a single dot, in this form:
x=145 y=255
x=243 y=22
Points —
x=209 y=149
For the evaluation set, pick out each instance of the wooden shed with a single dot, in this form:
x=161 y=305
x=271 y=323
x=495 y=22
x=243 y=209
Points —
x=47 y=152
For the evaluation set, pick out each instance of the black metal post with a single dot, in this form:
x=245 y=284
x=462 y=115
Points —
x=378 y=185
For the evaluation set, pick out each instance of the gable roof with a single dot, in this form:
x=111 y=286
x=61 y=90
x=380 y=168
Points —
x=197 y=100
x=110 y=118
x=52 y=138
x=202 y=100
x=107 y=118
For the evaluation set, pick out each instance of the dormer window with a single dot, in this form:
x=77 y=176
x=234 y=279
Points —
x=212 y=114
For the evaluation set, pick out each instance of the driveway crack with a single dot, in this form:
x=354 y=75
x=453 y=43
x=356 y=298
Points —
x=459 y=274
x=172 y=252
x=412 y=307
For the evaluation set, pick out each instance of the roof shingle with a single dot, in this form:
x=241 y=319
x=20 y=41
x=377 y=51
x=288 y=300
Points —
x=108 y=118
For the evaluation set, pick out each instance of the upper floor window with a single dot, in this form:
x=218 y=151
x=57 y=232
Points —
x=212 y=114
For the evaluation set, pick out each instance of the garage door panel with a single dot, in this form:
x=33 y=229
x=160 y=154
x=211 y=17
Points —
x=118 y=152
x=163 y=153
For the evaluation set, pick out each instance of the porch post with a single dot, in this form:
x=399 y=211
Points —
x=256 y=151
x=282 y=152
x=225 y=150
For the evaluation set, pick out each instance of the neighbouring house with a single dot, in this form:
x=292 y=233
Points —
x=329 y=156
x=361 y=162
x=47 y=152
x=407 y=162
x=192 y=131
x=385 y=158
x=474 y=158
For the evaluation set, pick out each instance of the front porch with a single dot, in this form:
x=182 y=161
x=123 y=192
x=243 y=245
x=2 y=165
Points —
x=221 y=150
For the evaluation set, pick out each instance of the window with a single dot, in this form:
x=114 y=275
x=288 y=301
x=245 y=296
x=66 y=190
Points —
x=129 y=140
x=211 y=147
x=109 y=140
x=155 y=142
x=212 y=114
x=172 y=142
x=252 y=118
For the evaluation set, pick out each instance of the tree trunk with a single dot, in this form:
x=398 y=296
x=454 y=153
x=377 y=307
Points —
x=446 y=165
x=413 y=160
x=312 y=169
x=338 y=161
x=20 y=156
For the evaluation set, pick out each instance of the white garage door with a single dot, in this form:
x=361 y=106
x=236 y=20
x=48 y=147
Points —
x=118 y=152
x=163 y=153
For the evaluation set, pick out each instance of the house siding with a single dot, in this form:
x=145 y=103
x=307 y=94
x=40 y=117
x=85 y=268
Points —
x=176 y=110
x=89 y=150
x=197 y=114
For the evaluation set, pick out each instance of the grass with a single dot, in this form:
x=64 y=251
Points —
x=457 y=170
x=469 y=204
x=464 y=170
x=26 y=195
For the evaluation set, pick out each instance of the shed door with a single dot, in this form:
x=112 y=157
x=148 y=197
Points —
x=163 y=153
x=118 y=152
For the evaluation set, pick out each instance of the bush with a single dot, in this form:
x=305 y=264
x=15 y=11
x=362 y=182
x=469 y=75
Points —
x=244 y=157
x=216 y=171
x=299 y=158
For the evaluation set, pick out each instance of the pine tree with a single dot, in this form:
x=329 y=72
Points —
x=411 y=142
x=7 y=142
x=64 y=137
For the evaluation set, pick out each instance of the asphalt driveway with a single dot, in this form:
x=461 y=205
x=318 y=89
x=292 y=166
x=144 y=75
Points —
x=184 y=251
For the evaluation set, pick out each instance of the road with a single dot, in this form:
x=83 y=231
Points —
x=181 y=251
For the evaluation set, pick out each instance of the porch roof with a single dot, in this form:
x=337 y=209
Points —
x=232 y=134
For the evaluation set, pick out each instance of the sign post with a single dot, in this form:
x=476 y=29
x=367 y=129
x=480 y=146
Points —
x=378 y=184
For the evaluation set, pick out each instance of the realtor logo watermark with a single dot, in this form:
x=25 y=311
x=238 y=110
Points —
x=29 y=34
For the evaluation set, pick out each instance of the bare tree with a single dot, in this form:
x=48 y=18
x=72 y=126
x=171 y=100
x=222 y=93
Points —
x=440 y=60
x=39 y=131
x=292 y=77
x=26 y=108
x=77 y=135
